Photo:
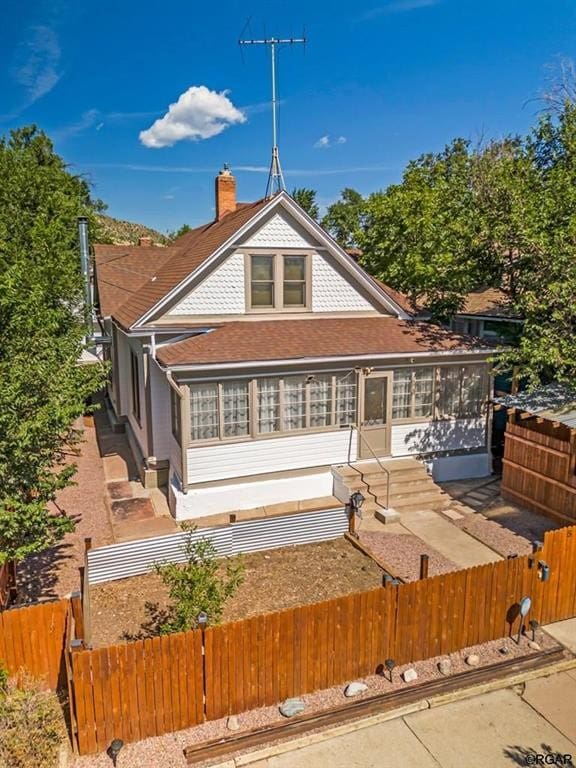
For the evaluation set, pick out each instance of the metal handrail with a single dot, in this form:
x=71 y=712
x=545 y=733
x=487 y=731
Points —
x=382 y=467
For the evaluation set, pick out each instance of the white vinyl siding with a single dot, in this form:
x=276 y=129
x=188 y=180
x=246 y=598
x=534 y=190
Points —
x=257 y=457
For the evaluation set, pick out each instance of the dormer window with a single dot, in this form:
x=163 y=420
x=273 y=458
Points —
x=278 y=282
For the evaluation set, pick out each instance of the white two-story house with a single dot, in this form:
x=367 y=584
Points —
x=253 y=355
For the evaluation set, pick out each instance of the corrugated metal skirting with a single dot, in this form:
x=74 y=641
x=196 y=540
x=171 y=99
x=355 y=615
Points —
x=134 y=558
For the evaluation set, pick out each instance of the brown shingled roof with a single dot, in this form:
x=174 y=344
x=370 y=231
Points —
x=488 y=302
x=316 y=337
x=145 y=281
x=122 y=270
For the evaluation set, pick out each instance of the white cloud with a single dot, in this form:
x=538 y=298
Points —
x=199 y=113
x=325 y=142
x=87 y=120
x=397 y=6
x=37 y=63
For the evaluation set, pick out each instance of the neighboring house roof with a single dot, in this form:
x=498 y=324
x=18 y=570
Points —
x=158 y=276
x=400 y=298
x=122 y=270
x=487 y=302
x=554 y=402
x=314 y=338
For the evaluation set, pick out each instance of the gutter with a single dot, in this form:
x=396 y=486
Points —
x=318 y=360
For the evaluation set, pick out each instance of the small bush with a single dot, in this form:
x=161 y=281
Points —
x=31 y=726
x=201 y=584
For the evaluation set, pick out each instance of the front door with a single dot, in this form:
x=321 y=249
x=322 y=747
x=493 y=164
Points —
x=375 y=411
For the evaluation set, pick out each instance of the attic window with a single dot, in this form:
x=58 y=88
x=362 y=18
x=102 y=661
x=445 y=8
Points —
x=279 y=282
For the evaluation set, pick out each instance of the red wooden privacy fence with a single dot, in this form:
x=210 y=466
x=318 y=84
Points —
x=155 y=686
x=32 y=639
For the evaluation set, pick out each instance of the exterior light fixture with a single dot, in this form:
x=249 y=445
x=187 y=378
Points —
x=543 y=570
x=202 y=619
x=390 y=664
x=114 y=750
x=353 y=507
x=536 y=545
x=533 y=626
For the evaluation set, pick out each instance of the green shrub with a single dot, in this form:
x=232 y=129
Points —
x=31 y=726
x=203 y=583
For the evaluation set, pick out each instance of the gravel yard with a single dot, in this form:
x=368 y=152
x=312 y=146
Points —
x=167 y=751
x=495 y=536
x=54 y=572
x=401 y=552
x=275 y=579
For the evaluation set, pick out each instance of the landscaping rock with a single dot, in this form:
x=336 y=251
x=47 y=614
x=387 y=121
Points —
x=445 y=667
x=292 y=707
x=232 y=723
x=353 y=689
x=534 y=645
x=472 y=660
x=410 y=675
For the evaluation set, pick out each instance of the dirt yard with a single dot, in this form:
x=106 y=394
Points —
x=273 y=580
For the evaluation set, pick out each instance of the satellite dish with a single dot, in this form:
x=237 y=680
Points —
x=525 y=605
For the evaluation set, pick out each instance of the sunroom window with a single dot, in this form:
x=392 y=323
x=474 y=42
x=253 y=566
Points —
x=413 y=393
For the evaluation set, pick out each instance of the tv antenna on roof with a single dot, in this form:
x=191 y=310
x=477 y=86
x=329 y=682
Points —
x=276 y=181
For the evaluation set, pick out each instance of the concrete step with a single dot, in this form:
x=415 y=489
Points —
x=380 y=478
x=427 y=501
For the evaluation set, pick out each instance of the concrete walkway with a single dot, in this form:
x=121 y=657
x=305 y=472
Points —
x=452 y=542
x=565 y=633
x=500 y=729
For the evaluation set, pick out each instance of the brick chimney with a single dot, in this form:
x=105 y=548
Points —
x=225 y=193
x=145 y=242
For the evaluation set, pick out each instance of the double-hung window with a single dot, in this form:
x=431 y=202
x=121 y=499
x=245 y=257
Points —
x=135 y=385
x=175 y=415
x=279 y=282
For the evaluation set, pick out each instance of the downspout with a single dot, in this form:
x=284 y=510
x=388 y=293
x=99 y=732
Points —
x=85 y=268
x=184 y=426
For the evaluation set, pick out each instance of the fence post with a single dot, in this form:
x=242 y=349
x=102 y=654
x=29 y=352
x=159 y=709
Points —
x=77 y=613
x=85 y=586
x=424 y=561
x=68 y=643
x=351 y=519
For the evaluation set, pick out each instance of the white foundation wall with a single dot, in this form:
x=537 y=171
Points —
x=259 y=457
x=221 y=293
x=161 y=418
x=461 y=467
x=434 y=436
x=249 y=495
x=331 y=292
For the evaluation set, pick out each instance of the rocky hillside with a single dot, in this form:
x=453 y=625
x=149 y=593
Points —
x=126 y=232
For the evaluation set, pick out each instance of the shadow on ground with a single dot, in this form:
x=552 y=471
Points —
x=544 y=756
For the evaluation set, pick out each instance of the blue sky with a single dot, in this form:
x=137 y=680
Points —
x=379 y=83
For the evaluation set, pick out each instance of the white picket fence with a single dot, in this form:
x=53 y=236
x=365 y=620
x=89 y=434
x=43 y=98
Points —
x=134 y=558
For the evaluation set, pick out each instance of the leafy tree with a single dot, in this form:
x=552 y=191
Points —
x=344 y=219
x=198 y=585
x=179 y=232
x=546 y=284
x=42 y=387
x=422 y=235
x=306 y=199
